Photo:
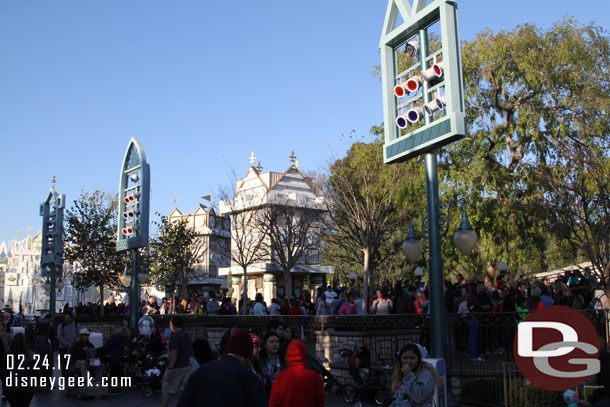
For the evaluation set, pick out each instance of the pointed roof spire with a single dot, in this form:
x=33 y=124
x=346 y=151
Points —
x=252 y=158
x=259 y=167
x=176 y=202
x=292 y=157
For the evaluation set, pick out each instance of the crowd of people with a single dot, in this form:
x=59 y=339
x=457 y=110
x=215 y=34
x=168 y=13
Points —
x=270 y=363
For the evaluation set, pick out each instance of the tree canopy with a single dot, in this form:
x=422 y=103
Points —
x=91 y=240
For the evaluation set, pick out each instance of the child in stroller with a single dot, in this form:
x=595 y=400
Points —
x=366 y=382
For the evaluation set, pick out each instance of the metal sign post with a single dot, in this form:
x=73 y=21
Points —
x=52 y=248
x=423 y=102
x=134 y=201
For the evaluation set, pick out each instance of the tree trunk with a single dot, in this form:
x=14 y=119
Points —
x=365 y=293
x=172 y=308
x=101 y=286
x=244 y=293
x=184 y=289
x=287 y=285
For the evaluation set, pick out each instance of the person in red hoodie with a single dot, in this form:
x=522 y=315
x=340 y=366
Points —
x=297 y=386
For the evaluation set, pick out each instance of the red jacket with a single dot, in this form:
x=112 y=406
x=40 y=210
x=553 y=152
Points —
x=297 y=386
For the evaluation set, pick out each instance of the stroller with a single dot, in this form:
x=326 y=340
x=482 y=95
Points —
x=328 y=379
x=93 y=366
x=366 y=382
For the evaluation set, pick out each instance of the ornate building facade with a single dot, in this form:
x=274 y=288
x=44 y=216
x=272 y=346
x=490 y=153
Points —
x=262 y=190
x=214 y=232
x=20 y=259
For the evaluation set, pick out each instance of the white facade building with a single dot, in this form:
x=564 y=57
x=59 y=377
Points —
x=215 y=235
x=258 y=190
x=20 y=259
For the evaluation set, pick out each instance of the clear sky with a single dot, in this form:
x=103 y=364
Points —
x=202 y=84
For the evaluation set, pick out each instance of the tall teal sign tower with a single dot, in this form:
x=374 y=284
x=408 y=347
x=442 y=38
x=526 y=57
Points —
x=52 y=247
x=134 y=201
x=423 y=100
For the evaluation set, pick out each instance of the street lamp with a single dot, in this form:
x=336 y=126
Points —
x=353 y=276
x=418 y=272
x=60 y=284
x=47 y=285
x=412 y=247
x=143 y=275
x=126 y=277
x=465 y=238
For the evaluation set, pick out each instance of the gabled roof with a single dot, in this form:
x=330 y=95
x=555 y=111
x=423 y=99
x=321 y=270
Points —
x=246 y=178
x=175 y=213
x=292 y=168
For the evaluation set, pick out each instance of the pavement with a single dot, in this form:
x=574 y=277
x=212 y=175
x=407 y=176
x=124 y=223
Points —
x=132 y=399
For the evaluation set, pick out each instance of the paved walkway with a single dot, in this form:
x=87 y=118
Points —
x=131 y=399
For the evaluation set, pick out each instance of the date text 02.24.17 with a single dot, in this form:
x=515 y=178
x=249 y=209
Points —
x=37 y=362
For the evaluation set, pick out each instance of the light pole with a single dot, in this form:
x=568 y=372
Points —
x=52 y=248
x=465 y=240
x=131 y=281
x=134 y=197
x=353 y=276
x=423 y=110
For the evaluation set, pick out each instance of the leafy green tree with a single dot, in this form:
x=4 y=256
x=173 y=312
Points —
x=368 y=202
x=175 y=252
x=527 y=92
x=91 y=240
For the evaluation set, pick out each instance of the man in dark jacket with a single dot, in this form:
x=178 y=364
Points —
x=297 y=386
x=406 y=302
x=226 y=382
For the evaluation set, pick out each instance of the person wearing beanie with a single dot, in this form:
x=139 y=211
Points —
x=297 y=386
x=228 y=381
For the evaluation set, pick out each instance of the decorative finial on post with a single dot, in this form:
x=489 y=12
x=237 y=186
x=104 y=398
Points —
x=297 y=165
x=53 y=180
x=292 y=157
x=176 y=202
x=252 y=158
x=259 y=167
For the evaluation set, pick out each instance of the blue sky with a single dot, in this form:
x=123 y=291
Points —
x=200 y=83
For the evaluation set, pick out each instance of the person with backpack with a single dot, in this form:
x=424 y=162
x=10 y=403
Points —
x=67 y=334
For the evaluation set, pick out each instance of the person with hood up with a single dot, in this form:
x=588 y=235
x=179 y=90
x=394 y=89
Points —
x=297 y=386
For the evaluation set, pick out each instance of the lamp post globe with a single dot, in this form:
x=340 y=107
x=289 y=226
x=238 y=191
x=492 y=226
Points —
x=502 y=266
x=353 y=276
x=465 y=238
x=125 y=278
x=412 y=247
x=59 y=285
x=143 y=277
x=418 y=272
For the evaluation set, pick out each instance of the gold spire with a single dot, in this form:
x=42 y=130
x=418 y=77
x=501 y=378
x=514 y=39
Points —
x=53 y=179
x=297 y=165
x=292 y=157
x=259 y=167
x=176 y=202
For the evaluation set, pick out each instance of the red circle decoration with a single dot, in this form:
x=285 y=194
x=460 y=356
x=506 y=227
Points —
x=542 y=336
